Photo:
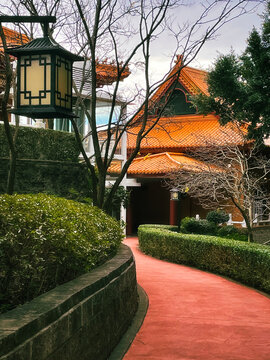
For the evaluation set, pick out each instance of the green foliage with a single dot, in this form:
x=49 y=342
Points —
x=239 y=87
x=231 y=232
x=217 y=217
x=121 y=197
x=68 y=180
x=43 y=144
x=191 y=225
x=207 y=227
x=247 y=263
x=46 y=241
x=158 y=226
x=51 y=167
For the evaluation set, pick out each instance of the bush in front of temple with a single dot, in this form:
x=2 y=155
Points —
x=46 y=241
x=248 y=263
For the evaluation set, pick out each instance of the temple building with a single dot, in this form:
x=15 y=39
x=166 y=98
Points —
x=174 y=130
x=166 y=148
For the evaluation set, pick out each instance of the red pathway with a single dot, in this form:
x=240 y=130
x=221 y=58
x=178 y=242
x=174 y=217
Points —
x=198 y=315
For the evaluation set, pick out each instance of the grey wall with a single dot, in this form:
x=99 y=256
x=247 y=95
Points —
x=82 y=319
x=261 y=234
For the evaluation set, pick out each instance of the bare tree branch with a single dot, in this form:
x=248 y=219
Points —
x=231 y=172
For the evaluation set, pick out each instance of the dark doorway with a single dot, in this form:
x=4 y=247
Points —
x=149 y=204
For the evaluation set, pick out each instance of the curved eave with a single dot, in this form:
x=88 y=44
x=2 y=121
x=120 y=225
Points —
x=160 y=165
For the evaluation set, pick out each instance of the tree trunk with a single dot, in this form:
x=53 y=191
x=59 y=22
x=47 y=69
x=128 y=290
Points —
x=248 y=221
x=12 y=164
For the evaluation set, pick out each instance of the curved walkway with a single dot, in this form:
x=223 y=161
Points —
x=197 y=315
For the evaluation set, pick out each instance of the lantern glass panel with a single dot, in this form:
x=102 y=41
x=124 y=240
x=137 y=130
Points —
x=174 y=194
x=35 y=80
x=63 y=86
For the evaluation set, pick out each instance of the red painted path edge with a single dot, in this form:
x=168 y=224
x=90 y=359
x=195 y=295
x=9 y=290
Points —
x=195 y=315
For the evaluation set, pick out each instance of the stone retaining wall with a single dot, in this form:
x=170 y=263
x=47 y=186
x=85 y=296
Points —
x=261 y=234
x=82 y=319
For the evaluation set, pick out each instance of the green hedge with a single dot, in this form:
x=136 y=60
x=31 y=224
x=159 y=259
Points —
x=47 y=162
x=189 y=225
x=158 y=226
x=46 y=241
x=62 y=179
x=247 y=263
x=43 y=144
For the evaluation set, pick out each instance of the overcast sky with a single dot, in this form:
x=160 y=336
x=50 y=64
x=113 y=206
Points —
x=232 y=35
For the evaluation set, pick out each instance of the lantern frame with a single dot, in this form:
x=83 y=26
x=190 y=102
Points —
x=53 y=99
x=174 y=194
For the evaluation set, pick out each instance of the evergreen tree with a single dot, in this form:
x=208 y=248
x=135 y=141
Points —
x=239 y=87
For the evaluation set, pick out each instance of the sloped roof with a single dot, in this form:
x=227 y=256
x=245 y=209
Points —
x=13 y=38
x=161 y=164
x=179 y=133
x=193 y=80
x=107 y=73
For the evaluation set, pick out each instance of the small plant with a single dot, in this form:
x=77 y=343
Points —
x=191 y=225
x=231 y=232
x=121 y=197
x=217 y=217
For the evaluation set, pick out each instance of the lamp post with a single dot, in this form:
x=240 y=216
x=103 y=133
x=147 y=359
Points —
x=44 y=74
x=174 y=197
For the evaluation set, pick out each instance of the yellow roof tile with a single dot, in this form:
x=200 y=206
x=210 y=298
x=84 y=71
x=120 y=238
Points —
x=194 y=80
x=13 y=38
x=160 y=164
x=181 y=132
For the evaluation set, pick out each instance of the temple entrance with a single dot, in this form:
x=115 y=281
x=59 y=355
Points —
x=149 y=204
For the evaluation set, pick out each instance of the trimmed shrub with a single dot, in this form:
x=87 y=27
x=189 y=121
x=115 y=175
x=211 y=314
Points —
x=46 y=241
x=43 y=144
x=69 y=180
x=217 y=217
x=158 y=226
x=231 y=232
x=244 y=262
x=47 y=162
x=193 y=226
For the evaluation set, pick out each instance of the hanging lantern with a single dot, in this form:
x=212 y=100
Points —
x=44 y=79
x=174 y=194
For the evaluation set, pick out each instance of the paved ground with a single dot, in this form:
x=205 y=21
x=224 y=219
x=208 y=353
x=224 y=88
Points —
x=198 y=315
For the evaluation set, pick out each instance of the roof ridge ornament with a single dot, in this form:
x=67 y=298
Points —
x=179 y=59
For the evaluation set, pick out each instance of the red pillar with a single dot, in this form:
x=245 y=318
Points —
x=129 y=223
x=173 y=212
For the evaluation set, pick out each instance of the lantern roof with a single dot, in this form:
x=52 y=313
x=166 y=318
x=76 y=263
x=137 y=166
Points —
x=42 y=46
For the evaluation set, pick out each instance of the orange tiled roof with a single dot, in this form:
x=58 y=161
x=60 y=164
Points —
x=107 y=74
x=181 y=132
x=194 y=80
x=13 y=38
x=161 y=164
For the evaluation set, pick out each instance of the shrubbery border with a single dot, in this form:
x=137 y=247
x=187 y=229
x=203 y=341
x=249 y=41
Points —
x=241 y=261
